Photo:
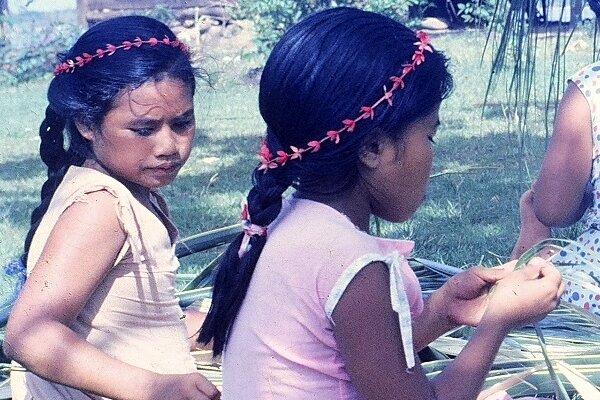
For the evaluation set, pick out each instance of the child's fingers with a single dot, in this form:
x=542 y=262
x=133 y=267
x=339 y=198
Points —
x=207 y=388
x=492 y=275
x=508 y=267
x=533 y=268
x=527 y=197
x=553 y=279
x=549 y=271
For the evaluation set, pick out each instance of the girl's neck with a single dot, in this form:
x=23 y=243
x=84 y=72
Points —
x=353 y=203
x=139 y=192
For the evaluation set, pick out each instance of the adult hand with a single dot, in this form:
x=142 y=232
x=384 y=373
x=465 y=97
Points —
x=464 y=296
x=524 y=296
x=191 y=386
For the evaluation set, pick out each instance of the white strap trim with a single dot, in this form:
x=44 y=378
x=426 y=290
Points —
x=398 y=296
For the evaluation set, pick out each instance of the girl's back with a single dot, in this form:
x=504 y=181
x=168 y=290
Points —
x=312 y=253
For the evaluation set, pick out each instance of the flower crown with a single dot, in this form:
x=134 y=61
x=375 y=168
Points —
x=269 y=161
x=86 y=58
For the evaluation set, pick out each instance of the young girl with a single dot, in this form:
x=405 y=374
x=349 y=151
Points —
x=98 y=317
x=568 y=187
x=307 y=304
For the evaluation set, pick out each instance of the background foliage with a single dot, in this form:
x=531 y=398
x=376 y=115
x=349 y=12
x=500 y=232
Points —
x=272 y=17
x=29 y=49
x=476 y=12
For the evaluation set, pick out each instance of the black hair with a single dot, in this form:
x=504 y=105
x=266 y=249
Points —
x=89 y=92
x=595 y=6
x=321 y=72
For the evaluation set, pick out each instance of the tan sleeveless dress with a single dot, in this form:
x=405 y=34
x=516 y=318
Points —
x=134 y=314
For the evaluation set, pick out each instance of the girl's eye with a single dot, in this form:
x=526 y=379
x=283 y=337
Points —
x=183 y=125
x=143 y=131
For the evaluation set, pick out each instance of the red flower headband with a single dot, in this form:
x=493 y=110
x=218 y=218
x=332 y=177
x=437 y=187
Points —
x=269 y=161
x=86 y=58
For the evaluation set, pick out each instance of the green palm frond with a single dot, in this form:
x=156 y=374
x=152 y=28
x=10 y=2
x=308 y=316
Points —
x=522 y=51
x=527 y=360
x=510 y=382
x=557 y=385
x=586 y=389
x=4 y=382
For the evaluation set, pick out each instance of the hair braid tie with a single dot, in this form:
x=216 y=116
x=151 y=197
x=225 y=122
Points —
x=250 y=230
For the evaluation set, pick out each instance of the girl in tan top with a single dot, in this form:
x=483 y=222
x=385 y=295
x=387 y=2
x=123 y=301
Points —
x=98 y=316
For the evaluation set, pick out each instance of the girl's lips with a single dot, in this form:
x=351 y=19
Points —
x=166 y=168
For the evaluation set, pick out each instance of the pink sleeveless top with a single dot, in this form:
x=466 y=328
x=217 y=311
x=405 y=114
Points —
x=282 y=344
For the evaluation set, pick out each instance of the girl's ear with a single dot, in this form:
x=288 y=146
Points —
x=381 y=148
x=85 y=130
x=369 y=154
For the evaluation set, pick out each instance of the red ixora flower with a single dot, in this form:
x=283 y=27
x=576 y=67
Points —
x=368 y=112
x=111 y=49
x=314 y=146
x=398 y=82
x=265 y=165
x=296 y=153
x=282 y=157
x=387 y=96
x=349 y=124
x=334 y=136
x=418 y=57
x=424 y=42
x=264 y=152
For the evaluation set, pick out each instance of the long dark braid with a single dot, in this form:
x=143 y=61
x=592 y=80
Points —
x=234 y=274
x=595 y=6
x=57 y=159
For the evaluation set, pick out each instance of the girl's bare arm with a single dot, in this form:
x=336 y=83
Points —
x=80 y=250
x=366 y=329
x=560 y=188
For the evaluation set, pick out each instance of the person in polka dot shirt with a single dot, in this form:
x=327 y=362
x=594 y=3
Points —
x=568 y=187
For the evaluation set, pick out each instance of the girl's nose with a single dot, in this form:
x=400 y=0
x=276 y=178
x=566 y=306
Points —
x=166 y=142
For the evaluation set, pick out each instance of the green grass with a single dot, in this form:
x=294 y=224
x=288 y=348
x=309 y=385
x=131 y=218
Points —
x=469 y=217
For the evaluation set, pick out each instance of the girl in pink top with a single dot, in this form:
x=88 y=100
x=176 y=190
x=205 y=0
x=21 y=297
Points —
x=307 y=304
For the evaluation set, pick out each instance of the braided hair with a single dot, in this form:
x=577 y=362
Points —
x=323 y=70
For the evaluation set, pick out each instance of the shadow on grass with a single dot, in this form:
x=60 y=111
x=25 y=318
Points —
x=468 y=217
x=21 y=169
